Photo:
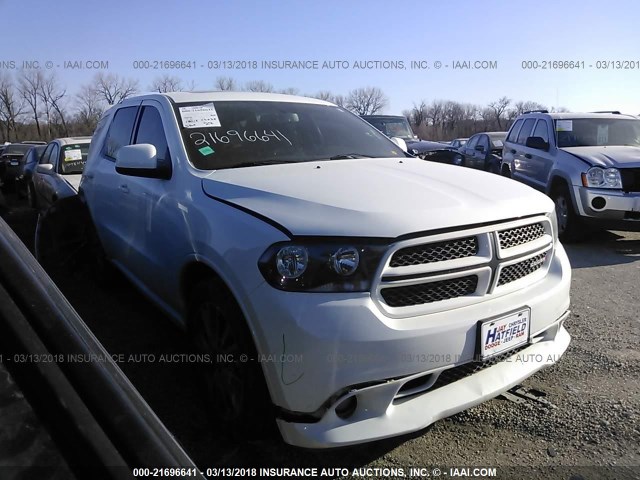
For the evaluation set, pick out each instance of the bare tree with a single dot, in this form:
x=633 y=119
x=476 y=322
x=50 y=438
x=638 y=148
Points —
x=325 y=95
x=417 y=114
x=52 y=95
x=114 y=88
x=11 y=105
x=366 y=100
x=258 y=86
x=90 y=107
x=29 y=85
x=225 y=84
x=166 y=83
x=290 y=91
x=520 y=107
x=339 y=100
x=499 y=107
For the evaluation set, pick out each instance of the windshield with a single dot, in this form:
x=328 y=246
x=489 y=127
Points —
x=232 y=134
x=591 y=132
x=392 y=126
x=17 y=149
x=73 y=158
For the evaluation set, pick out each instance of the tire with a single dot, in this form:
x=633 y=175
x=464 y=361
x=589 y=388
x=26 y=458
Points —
x=236 y=391
x=506 y=171
x=570 y=227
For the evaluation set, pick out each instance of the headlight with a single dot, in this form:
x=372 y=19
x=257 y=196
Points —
x=319 y=266
x=602 y=178
x=291 y=261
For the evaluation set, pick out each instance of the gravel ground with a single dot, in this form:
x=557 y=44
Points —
x=591 y=419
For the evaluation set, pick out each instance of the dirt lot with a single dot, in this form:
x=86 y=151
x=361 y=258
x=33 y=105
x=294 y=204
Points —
x=589 y=417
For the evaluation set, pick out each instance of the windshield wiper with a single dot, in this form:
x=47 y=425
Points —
x=345 y=156
x=257 y=164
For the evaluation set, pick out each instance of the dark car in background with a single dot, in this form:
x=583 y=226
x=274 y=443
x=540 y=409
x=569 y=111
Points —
x=10 y=162
x=24 y=180
x=483 y=151
x=398 y=126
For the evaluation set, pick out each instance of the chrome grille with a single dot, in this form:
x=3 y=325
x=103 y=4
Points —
x=520 y=235
x=435 y=252
x=422 y=293
x=519 y=270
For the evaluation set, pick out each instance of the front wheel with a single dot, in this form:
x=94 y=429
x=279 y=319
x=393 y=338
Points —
x=570 y=227
x=233 y=379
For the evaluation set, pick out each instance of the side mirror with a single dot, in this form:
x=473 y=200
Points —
x=140 y=161
x=400 y=142
x=538 y=143
x=480 y=148
x=44 y=168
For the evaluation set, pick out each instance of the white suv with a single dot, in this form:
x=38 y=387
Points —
x=374 y=292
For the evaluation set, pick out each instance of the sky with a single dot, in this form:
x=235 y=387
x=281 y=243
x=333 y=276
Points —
x=129 y=33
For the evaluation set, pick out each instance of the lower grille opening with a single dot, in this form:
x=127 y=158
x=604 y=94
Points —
x=461 y=371
x=429 y=292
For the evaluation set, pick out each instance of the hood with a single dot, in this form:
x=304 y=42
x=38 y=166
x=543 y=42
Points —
x=381 y=197
x=614 y=156
x=73 y=180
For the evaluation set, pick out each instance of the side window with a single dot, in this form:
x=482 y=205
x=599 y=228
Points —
x=541 y=130
x=473 y=141
x=484 y=141
x=150 y=130
x=47 y=153
x=120 y=130
x=513 y=134
x=525 y=131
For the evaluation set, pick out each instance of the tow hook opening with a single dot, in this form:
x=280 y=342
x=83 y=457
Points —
x=347 y=407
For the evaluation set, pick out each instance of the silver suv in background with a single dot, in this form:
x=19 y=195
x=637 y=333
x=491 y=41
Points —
x=588 y=163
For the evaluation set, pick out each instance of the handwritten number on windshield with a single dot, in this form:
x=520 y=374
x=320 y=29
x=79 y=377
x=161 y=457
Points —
x=200 y=138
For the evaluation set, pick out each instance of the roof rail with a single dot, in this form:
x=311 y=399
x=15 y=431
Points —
x=536 y=111
x=616 y=112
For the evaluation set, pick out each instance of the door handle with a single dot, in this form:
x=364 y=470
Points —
x=124 y=188
x=513 y=151
x=527 y=155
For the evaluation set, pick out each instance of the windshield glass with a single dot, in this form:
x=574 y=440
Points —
x=590 y=132
x=231 y=134
x=73 y=158
x=392 y=126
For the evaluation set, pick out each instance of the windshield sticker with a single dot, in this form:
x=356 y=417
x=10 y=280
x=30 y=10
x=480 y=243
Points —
x=72 y=155
x=564 y=126
x=206 y=150
x=237 y=136
x=200 y=116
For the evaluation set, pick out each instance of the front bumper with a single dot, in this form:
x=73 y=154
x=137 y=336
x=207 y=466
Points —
x=317 y=349
x=380 y=416
x=612 y=209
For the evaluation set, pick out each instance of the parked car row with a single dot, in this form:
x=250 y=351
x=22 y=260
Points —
x=45 y=173
x=369 y=292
